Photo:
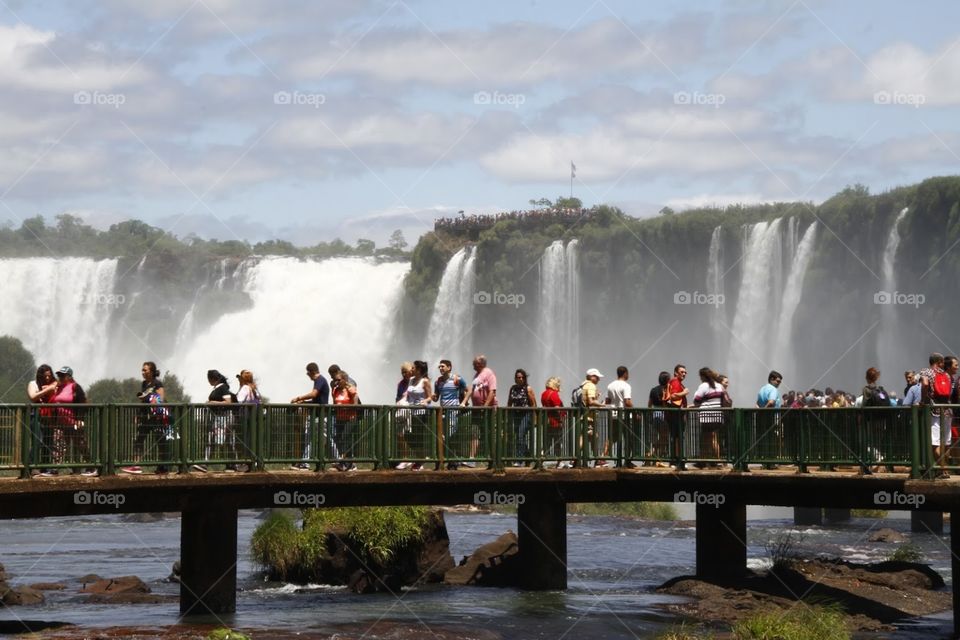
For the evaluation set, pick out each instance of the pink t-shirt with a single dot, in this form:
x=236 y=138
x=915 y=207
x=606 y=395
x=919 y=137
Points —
x=483 y=385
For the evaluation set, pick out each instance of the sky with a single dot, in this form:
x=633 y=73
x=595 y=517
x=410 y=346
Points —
x=306 y=120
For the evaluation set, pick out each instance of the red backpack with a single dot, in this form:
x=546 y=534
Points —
x=942 y=386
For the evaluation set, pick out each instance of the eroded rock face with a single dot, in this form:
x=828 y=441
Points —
x=19 y=595
x=424 y=562
x=123 y=584
x=873 y=596
x=495 y=564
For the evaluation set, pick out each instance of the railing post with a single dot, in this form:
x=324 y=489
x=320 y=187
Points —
x=108 y=439
x=916 y=452
x=740 y=437
x=29 y=430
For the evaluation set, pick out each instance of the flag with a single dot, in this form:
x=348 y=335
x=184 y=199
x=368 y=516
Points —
x=573 y=170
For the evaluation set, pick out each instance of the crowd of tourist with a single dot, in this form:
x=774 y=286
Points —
x=564 y=215
x=60 y=427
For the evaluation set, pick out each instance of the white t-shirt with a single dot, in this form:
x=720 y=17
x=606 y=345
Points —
x=246 y=394
x=712 y=398
x=618 y=392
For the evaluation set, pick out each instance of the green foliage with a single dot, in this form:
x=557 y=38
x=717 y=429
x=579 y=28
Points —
x=907 y=552
x=641 y=510
x=868 y=513
x=376 y=533
x=17 y=369
x=683 y=632
x=379 y=532
x=135 y=239
x=113 y=391
x=802 y=622
x=226 y=634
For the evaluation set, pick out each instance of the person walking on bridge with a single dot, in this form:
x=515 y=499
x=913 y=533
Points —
x=482 y=393
x=620 y=397
x=319 y=394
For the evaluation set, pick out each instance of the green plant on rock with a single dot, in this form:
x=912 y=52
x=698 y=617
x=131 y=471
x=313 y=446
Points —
x=226 y=634
x=683 y=632
x=782 y=549
x=802 y=622
x=907 y=552
x=376 y=534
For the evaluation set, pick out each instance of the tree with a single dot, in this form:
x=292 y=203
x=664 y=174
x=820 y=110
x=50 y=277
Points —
x=667 y=211
x=17 y=368
x=113 y=391
x=542 y=202
x=397 y=242
x=569 y=203
x=366 y=247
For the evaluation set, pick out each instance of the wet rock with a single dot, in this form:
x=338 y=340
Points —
x=887 y=535
x=174 y=572
x=48 y=586
x=128 y=598
x=873 y=596
x=19 y=595
x=3 y=574
x=112 y=586
x=495 y=564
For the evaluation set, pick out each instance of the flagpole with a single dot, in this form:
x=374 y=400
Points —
x=571 y=178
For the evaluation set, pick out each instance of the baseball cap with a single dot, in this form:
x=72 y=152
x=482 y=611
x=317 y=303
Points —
x=594 y=372
x=67 y=371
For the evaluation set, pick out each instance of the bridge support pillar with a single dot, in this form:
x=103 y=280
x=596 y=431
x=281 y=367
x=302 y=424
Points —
x=928 y=522
x=721 y=540
x=836 y=515
x=208 y=560
x=807 y=516
x=542 y=542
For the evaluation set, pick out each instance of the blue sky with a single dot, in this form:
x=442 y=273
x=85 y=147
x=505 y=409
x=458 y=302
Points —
x=309 y=120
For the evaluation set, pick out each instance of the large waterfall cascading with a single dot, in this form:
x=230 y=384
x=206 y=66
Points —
x=558 y=325
x=748 y=357
x=783 y=343
x=715 y=280
x=332 y=311
x=450 y=334
x=887 y=351
x=60 y=309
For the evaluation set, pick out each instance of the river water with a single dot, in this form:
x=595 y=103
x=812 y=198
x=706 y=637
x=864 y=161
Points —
x=614 y=564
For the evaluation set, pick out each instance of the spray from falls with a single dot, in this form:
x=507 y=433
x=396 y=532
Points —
x=558 y=329
x=887 y=352
x=450 y=334
x=783 y=343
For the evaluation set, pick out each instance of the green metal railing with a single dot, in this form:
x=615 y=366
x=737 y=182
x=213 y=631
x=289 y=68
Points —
x=179 y=437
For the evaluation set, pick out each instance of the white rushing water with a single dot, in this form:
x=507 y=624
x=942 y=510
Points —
x=888 y=335
x=757 y=303
x=783 y=343
x=558 y=331
x=60 y=309
x=332 y=311
x=715 y=282
x=450 y=334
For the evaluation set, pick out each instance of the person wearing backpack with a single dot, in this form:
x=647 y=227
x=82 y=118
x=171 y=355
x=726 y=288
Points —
x=935 y=389
x=875 y=423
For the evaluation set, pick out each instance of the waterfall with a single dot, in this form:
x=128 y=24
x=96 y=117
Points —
x=450 y=334
x=887 y=351
x=61 y=309
x=783 y=346
x=756 y=305
x=330 y=311
x=558 y=324
x=715 y=280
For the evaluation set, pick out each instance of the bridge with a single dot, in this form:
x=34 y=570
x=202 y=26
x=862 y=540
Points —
x=806 y=458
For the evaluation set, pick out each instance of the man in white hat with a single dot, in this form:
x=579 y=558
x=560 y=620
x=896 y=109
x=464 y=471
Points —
x=591 y=399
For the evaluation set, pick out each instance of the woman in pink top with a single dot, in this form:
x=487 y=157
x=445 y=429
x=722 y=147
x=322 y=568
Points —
x=69 y=427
